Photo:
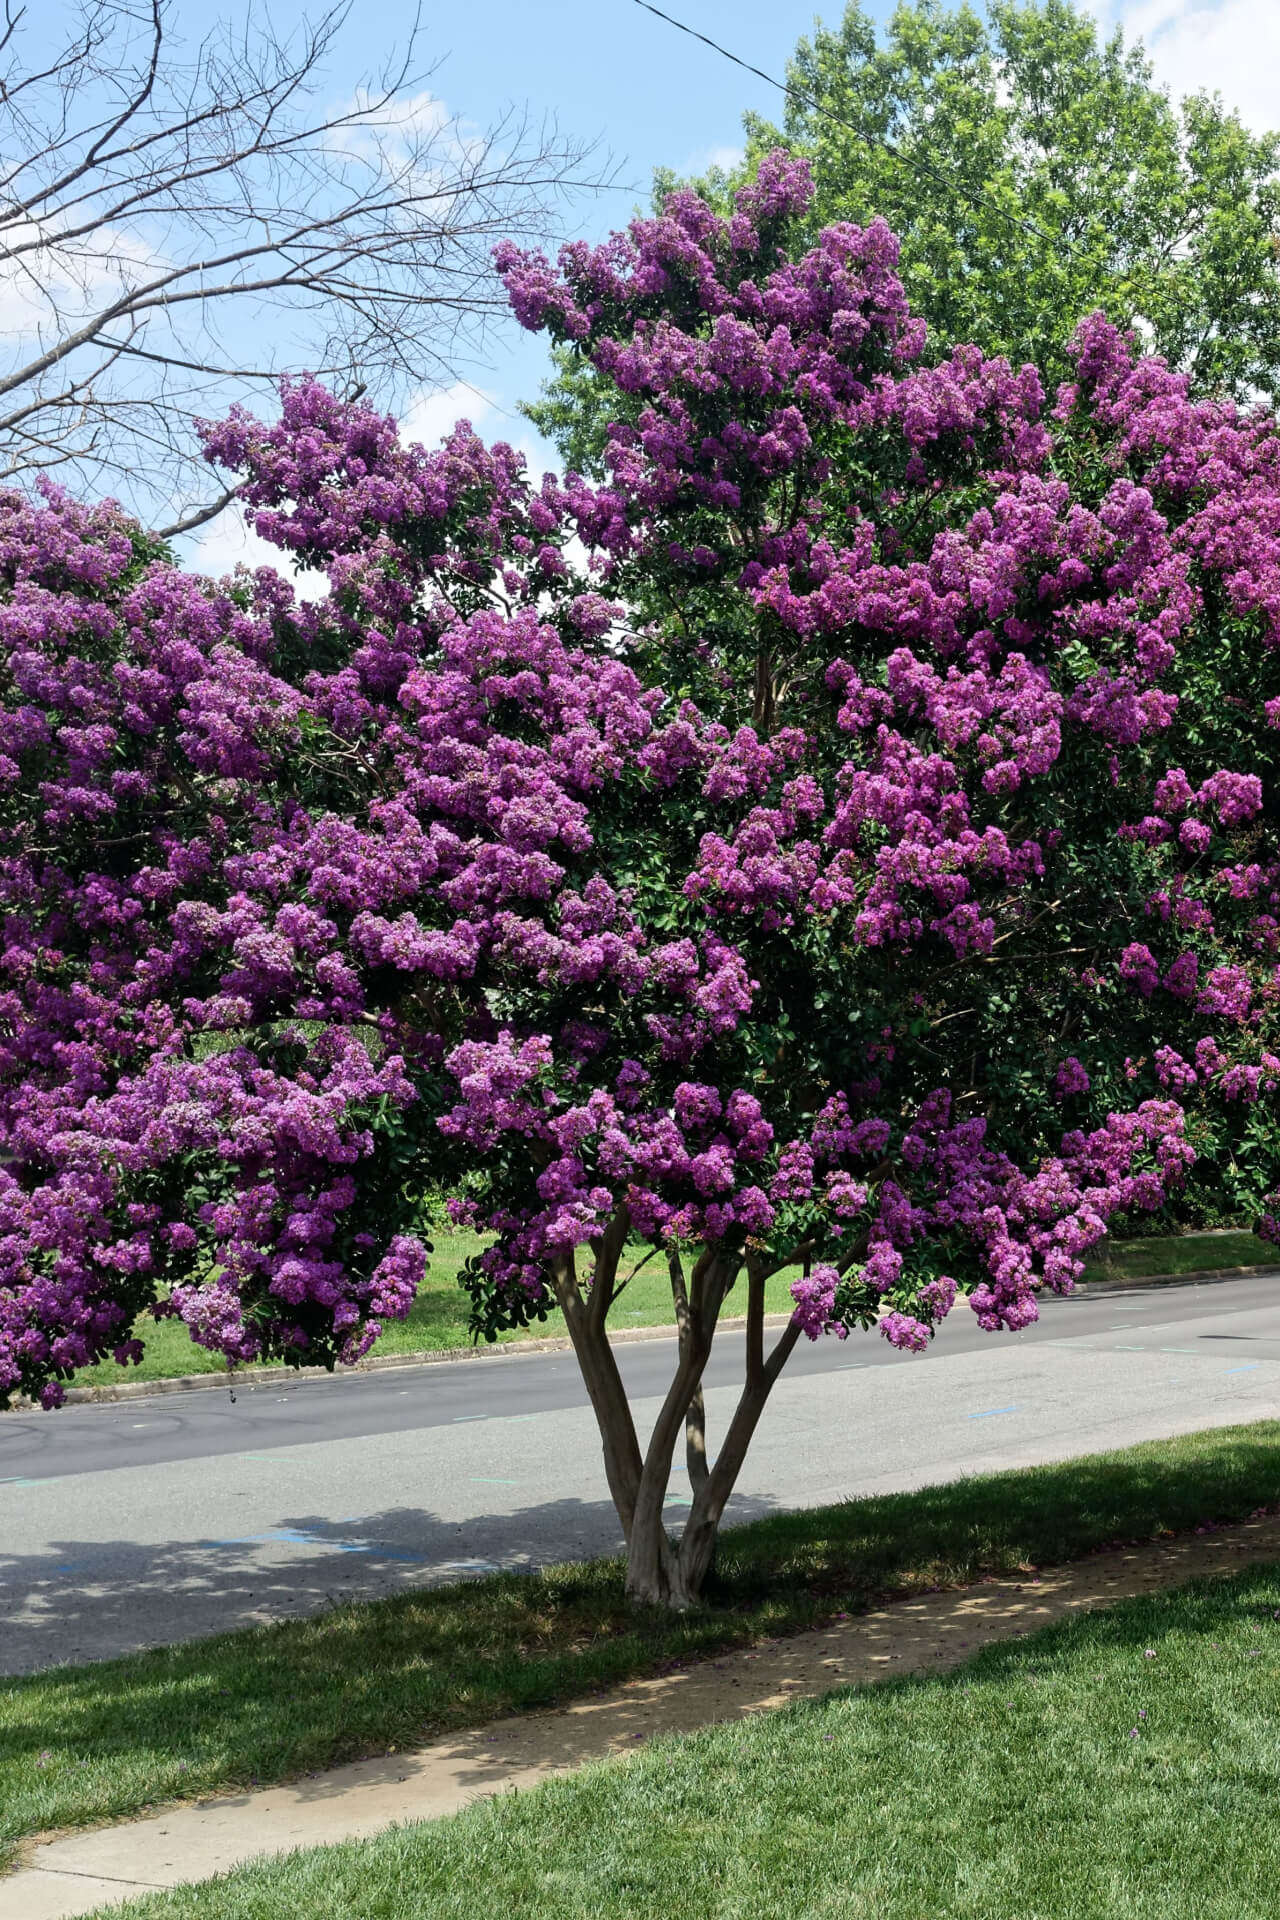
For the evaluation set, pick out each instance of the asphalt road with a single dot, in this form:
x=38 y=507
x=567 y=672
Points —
x=133 y=1523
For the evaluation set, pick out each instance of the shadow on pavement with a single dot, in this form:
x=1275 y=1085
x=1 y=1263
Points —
x=77 y=1601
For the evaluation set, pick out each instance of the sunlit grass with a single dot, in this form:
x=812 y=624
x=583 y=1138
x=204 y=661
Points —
x=91 y=1743
x=1121 y=1766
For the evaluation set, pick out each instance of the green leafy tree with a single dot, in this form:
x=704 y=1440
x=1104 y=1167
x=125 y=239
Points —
x=1035 y=173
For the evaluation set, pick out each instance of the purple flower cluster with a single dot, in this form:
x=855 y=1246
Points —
x=660 y=892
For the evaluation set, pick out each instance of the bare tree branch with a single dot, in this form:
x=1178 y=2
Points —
x=200 y=516
x=180 y=226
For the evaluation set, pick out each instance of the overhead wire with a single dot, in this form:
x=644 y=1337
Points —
x=921 y=167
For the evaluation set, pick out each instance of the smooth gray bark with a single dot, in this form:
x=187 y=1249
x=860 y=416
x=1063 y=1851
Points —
x=666 y=1569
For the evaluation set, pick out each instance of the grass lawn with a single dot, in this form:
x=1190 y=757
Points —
x=97 y=1742
x=439 y=1316
x=1181 y=1253
x=1121 y=1766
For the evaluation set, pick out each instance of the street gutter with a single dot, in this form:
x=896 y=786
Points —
x=551 y=1343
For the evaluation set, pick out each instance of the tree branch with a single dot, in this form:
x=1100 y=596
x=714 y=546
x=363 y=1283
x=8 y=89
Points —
x=210 y=194
x=201 y=516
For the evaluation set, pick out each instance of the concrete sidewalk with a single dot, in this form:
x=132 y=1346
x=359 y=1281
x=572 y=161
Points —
x=77 y=1872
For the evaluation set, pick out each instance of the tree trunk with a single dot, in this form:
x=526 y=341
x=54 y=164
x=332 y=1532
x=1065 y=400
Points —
x=653 y=1573
x=662 y=1571
x=672 y=1573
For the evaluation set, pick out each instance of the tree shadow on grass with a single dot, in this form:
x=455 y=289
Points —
x=78 y=1600
x=346 y=1681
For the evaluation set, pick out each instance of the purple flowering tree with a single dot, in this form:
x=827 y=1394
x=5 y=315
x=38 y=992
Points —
x=842 y=842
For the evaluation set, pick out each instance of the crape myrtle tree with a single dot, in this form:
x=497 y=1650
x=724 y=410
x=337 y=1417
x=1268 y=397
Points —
x=1033 y=172
x=863 y=864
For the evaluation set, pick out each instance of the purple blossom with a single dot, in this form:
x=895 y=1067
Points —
x=814 y=1296
x=479 y=875
x=900 y=1330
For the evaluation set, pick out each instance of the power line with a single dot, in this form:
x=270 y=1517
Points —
x=869 y=139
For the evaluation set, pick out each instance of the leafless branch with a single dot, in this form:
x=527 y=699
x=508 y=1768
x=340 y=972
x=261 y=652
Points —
x=199 y=516
x=180 y=225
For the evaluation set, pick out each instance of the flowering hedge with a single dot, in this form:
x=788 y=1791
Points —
x=845 y=838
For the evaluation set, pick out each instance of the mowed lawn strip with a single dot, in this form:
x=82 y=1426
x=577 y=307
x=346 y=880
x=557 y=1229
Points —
x=438 y=1321
x=1124 y=1764
x=96 y=1742
x=1179 y=1253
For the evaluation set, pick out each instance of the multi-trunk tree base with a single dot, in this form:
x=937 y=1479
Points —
x=663 y=1570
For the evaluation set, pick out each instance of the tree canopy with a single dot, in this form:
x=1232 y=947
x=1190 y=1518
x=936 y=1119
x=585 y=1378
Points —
x=867 y=866
x=1039 y=173
x=1034 y=173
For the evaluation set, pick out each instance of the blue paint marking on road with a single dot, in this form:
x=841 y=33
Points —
x=1130 y=1349
x=1249 y=1369
x=458 y=1418
x=296 y=1537
x=268 y=1459
x=487 y=1480
x=285 y=1536
x=991 y=1413
x=16 y=1480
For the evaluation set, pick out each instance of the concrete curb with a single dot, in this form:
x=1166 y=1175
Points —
x=272 y=1376
x=551 y=1343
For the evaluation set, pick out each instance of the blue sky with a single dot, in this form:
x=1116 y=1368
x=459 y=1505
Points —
x=609 y=71
x=606 y=71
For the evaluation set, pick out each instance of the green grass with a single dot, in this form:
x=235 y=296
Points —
x=1121 y=1766
x=439 y=1317
x=99 y=1742
x=438 y=1320
x=1180 y=1253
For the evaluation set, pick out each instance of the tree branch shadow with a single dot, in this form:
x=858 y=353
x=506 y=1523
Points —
x=77 y=1600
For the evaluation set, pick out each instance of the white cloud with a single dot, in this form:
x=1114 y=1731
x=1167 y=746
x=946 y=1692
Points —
x=417 y=141
x=419 y=116
x=1231 y=47
x=701 y=159
x=229 y=542
x=431 y=417
x=50 y=285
